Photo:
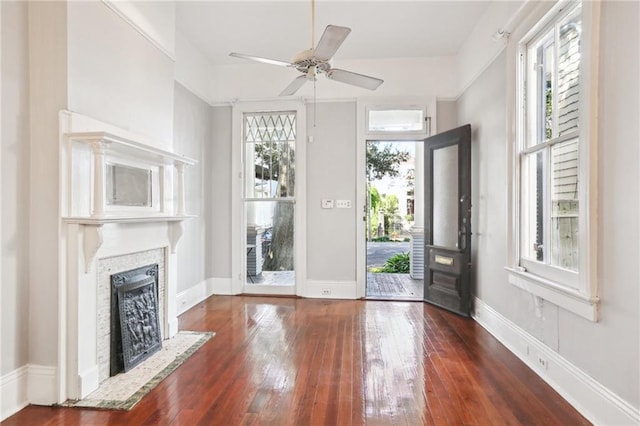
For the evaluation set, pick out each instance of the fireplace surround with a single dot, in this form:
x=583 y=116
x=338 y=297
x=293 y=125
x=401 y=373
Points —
x=99 y=239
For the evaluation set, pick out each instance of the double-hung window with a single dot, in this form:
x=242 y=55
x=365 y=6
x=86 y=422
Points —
x=553 y=158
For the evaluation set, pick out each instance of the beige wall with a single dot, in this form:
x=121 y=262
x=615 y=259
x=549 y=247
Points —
x=447 y=116
x=14 y=214
x=220 y=188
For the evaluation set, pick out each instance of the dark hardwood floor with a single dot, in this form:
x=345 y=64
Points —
x=286 y=361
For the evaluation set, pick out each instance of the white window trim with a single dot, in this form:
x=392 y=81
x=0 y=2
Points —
x=582 y=300
x=238 y=260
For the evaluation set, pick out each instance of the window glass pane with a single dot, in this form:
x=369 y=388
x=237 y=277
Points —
x=541 y=115
x=569 y=72
x=270 y=155
x=445 y=197
x=533 y=171
x=270 y=242
x=547 y=91
x=396 y=120
x=270 y=170
x=564 y=205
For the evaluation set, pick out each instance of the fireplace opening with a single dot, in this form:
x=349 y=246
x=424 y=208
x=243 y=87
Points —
x=135 y=329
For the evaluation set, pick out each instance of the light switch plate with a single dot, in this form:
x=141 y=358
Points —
x=327 y=204
x=343 y=204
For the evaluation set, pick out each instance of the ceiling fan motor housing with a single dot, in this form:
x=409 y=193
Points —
x=306 y=60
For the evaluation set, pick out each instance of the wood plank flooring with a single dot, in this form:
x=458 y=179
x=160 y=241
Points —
x=385 y=286
x=288 y=361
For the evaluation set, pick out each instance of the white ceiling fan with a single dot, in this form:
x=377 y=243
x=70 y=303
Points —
x=316 y=61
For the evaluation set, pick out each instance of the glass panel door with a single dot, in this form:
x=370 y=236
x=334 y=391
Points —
x=269 y=200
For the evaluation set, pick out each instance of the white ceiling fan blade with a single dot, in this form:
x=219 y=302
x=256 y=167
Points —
x=330 y=41
x=258 y=59
x=354 y=79
x=294 y=86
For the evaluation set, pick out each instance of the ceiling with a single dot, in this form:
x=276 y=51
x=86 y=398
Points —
x=280 y=29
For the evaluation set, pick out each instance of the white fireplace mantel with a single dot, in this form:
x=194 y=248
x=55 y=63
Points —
x=93 y=238
x=95 y=230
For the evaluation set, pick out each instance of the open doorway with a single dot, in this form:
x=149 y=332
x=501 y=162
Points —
x=394 y=220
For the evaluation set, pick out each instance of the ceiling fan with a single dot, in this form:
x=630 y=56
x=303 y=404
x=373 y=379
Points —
x=316 y=61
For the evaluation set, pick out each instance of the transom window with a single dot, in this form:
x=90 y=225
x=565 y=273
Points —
x=395 y=120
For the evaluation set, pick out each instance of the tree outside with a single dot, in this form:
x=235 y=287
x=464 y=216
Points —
x=386 y=163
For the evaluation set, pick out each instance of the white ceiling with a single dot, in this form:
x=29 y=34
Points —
x=280 y=29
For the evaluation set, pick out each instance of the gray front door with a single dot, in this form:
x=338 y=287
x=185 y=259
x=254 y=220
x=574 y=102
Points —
x=447 y=222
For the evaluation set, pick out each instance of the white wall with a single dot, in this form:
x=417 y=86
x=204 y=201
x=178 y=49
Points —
x=15 y=168
x=607 y=351
x=192 y=137
x=154 y=19
x=193 y=71
x=117 y=75
x=482 y=47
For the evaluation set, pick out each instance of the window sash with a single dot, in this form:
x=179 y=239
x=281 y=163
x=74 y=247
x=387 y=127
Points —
x=539 y=137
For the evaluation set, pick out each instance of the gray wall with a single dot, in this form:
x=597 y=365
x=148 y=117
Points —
x=609 y=349
x=192 y=132
x=14 y=213
x=331 y=174
x=220 y=188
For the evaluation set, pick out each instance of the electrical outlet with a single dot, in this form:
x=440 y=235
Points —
x=326 y=292
x=543 y=362
x=343 y=204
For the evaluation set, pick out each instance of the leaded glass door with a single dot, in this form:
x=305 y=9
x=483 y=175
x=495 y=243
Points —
x=269 y=201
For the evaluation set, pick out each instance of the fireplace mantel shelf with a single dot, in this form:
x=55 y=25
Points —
x=98 y=221
x=131 y=146
x=93 y=237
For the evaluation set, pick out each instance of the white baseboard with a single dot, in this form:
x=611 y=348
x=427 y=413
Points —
x=331 y=289
x=42 y=384
x=594 y=401
x=189 y=298
x=13 y=391
x=88 y=381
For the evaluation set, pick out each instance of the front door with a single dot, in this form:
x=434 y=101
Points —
x=447 y=225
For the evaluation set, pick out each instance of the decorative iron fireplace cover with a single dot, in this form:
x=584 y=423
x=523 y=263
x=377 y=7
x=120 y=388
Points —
x=135 y=329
